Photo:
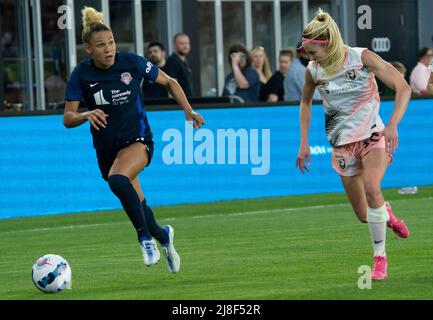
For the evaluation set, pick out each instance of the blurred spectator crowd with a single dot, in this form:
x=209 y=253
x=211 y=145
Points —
x=251 y=78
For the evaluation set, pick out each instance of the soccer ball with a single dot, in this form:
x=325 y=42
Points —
x=52 y=273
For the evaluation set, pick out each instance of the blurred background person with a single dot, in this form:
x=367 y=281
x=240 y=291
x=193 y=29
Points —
x=263 y=67
x=387 y=91
x=157 y=55
x=243 y=81
x=275 y=86
x=295 y=77
x=420 y=74
x=55 y=88
x=177 y=64
x=430 y=82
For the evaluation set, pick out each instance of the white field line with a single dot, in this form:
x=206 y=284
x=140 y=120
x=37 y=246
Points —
x=233 y=214
x=247 y=213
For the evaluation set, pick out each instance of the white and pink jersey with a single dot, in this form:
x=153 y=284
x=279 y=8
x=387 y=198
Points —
x=351 y=100
x=430 y=66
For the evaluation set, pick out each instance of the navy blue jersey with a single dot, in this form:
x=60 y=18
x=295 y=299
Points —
x=152 y=90
x=116 y=91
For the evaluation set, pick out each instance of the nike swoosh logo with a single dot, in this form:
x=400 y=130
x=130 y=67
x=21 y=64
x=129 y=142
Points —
x=377 y=242
x=44 y=262
x=93 y=84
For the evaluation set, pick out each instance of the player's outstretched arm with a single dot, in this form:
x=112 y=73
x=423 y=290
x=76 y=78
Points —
x=72 y=118
x=305 y=119
x=177 y=93
x=394 y=80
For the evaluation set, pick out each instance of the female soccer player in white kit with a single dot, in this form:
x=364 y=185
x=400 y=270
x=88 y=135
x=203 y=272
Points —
x=362 y=144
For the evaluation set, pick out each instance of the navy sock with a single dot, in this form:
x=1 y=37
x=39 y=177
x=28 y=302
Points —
x=155 y=230
x=124 y=190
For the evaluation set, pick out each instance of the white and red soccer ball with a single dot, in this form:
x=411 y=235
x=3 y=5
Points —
x=52 y=273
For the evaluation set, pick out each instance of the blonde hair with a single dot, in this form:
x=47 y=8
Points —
x=93 y=21
x=323 y=27
x=266 y=68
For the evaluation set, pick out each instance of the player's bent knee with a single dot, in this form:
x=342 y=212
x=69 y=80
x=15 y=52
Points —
x=118 y=182
x=373 y=192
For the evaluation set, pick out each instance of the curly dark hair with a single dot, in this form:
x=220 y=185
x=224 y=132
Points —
x=239 y=47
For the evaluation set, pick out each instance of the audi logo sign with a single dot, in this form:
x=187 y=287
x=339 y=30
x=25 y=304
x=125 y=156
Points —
x=381 y=44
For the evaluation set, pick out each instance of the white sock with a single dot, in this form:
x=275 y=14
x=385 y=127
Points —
x=377 y=219
x=388 y=217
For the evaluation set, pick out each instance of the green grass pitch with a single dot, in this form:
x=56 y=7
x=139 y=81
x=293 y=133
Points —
x=300 y=247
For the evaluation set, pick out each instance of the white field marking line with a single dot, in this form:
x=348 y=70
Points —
x=244 y=213
x=91 y=225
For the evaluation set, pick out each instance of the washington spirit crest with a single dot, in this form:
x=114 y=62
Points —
x=126 y=78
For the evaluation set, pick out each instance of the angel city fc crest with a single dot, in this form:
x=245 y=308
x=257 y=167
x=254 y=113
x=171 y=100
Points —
x=126 y=78
x=351 y=74
x=342 y=164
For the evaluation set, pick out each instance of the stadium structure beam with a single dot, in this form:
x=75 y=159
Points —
x=39 y=55
x=191 y=28
x=277 y=31
x=248 y=24
x=71 y=44
x=24 y=17
x=138 y=28
x=304 y=13
x=105 y=8
x=174 y=21
x=219 y=45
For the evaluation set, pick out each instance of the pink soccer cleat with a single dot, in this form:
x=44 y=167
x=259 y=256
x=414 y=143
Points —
x=379 y=268
x=398 y=226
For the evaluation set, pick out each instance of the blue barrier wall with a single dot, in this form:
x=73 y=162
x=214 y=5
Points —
x=46 y=169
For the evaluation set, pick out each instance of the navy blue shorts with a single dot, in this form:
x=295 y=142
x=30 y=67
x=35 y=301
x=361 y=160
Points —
x=106 y=157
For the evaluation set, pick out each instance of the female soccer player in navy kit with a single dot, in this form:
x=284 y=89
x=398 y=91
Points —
x=109 y=83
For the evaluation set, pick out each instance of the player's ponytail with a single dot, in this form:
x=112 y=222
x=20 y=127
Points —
x=323 y=29
x=93 y=21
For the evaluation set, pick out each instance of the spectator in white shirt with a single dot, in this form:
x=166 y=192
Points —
x=430 y=82
x=420 y=74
